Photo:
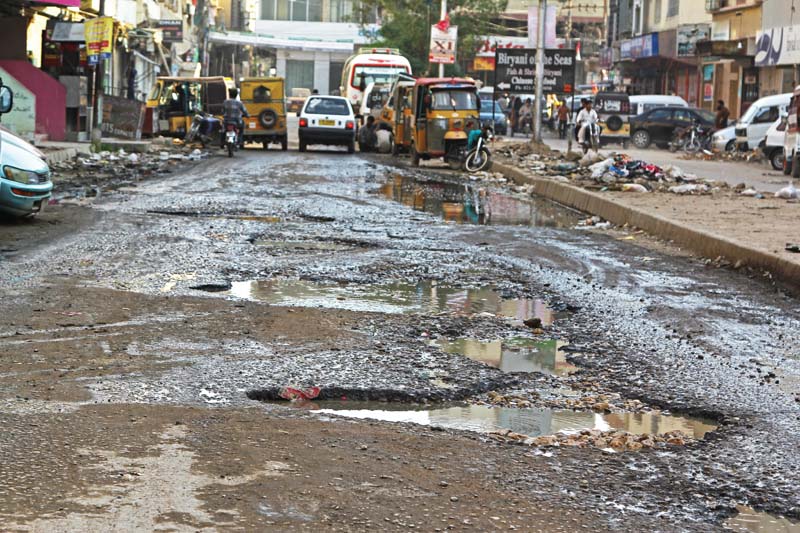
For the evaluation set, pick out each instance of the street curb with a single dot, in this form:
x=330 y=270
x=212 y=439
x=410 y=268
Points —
x=700 y=242
x=58 y=156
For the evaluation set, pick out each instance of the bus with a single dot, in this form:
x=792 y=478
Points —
x=371 y=65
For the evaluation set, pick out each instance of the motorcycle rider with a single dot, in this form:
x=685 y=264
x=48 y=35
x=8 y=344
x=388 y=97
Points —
x=586 y=116
x=526 y=116
x=233 y=111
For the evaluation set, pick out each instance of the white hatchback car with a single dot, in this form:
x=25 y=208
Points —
x=327 y=120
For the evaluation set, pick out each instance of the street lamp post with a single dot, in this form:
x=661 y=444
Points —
x=537 y=106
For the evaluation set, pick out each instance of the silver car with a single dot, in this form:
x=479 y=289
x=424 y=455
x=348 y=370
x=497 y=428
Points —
x=724 y=140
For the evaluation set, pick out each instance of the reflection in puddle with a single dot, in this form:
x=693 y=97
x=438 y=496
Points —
x=473 y=204
x=514 y=355
x=303 y=245
x=425 y=297
x=749 y=520
x=532 y=422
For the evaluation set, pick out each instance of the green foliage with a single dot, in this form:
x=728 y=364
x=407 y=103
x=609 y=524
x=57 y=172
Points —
x=406 y=25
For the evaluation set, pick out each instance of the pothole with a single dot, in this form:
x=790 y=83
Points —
x=518 y=354
x=470 y=203
x=748 y=520
x=303 y=246
x=529 y=422
x=425 y=297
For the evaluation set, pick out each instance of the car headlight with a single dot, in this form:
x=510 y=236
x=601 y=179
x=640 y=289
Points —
x=22 y=176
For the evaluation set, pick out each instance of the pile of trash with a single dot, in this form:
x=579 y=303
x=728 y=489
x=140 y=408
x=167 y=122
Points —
x=621 y=172
x=748 y=156
x=103 y=167
x=609 y=441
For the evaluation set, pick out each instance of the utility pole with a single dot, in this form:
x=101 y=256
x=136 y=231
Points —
x=574 y=81
x=97 y=131
x=442 y=16
x=537 y=106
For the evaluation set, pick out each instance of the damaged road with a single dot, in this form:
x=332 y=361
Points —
x=506 y=372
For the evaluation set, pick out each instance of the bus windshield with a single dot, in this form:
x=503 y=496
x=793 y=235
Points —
x=363 y=75
x=455 y=100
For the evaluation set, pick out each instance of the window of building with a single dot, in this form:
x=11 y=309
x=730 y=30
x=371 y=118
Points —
x=673 y=8
x=657 y=11
x=299 y=74
x=300 y=10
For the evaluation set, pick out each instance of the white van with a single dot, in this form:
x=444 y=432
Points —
x=645 y=102
x=753 y=126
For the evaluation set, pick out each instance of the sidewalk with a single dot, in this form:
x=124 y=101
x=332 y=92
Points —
x=743 y=230
x=58 y=151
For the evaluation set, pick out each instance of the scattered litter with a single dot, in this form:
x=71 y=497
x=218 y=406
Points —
x=794 y=248
x=749 y=192
x=634 y=187
x=689 y=188
x=789 y=192
x=294 y=394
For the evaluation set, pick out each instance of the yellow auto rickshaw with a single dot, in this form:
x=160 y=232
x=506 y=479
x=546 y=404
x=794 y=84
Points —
x=444 y=111
x=613 y=111
x=396 y=115
x=176 y=100
x=265 y=100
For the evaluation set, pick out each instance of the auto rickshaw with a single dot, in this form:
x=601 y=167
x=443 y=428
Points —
x=445 y=110
x=397 y=113
x=176 y=100
x=265 y=100
x=613 y=112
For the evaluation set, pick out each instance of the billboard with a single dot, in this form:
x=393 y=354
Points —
x=443 y=45
x=515 y=70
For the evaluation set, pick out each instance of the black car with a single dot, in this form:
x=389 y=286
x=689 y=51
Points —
x=658 y=125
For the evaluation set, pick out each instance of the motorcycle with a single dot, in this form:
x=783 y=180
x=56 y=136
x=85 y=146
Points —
x=591 y=138
x=205 y=128
x=478 y=157
x=231 y=138
x=697 y=138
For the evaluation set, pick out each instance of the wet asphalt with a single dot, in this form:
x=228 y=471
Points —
x=669 y=331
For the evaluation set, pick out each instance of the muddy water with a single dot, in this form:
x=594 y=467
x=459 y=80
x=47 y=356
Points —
x=469 y=203
x=513 y=355
x=425 y=297
x=751 y=521
x=533 y=422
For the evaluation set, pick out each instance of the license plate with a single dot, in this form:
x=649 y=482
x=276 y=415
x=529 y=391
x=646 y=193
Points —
x=327 y=122
x=252 y=125
x=231 y=135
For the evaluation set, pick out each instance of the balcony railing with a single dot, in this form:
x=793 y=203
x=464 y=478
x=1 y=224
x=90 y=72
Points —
x=715 y=5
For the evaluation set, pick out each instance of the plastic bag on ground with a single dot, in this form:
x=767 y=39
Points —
x=634 y=187
x=689 y=188
x=789 y=192
x=598 y=169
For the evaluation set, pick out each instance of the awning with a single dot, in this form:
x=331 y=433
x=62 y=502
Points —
x=68 y=32
x=269 y=41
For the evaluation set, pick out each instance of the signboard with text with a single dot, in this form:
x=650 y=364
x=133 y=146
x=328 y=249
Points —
x=515 y=70
x=443 y=45
x=171 y=30
x=99 y=35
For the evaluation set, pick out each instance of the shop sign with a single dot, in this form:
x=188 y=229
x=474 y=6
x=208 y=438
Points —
x=171 y=30
x=689 y=35
x=68 y=32
x=443 y=45
x=639 y=47
x=99 y=35
x=483 y=63
x=778 y=46
x=515 y=70
x=490 y=43
x=708 y=92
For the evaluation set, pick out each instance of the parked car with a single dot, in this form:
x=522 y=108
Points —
x=773 y=143
x=642 y=103
x=495 y=118
x=328 y=120
x=25 y=184
x=658 y=125
x=753 y=126
x=724 y=140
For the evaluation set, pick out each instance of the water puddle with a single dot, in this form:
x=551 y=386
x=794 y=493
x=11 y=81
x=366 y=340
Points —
x=514 y=355
x=300 y=246
x=750 y=521
x=424 y=297
x=469 y=203
x=532 y=422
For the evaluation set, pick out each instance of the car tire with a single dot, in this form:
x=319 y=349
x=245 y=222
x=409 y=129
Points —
x=614 y=123
x=284 y=143
x=796 y=166
x=641 y=139
x=731 y=146
x=302 y=146
x=351 y=147
x=776 y=159
x=265 y=145
x=268 y=118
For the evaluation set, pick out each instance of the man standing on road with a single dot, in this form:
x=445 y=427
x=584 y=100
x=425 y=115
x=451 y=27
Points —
x=233 y=111
x=722 y=116
x=563 y=118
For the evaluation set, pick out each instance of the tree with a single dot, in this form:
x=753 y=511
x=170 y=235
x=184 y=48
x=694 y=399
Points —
x=406 y=26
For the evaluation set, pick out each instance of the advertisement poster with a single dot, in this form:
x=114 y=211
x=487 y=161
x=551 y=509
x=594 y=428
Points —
x=443 y=45
x=99 y=35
